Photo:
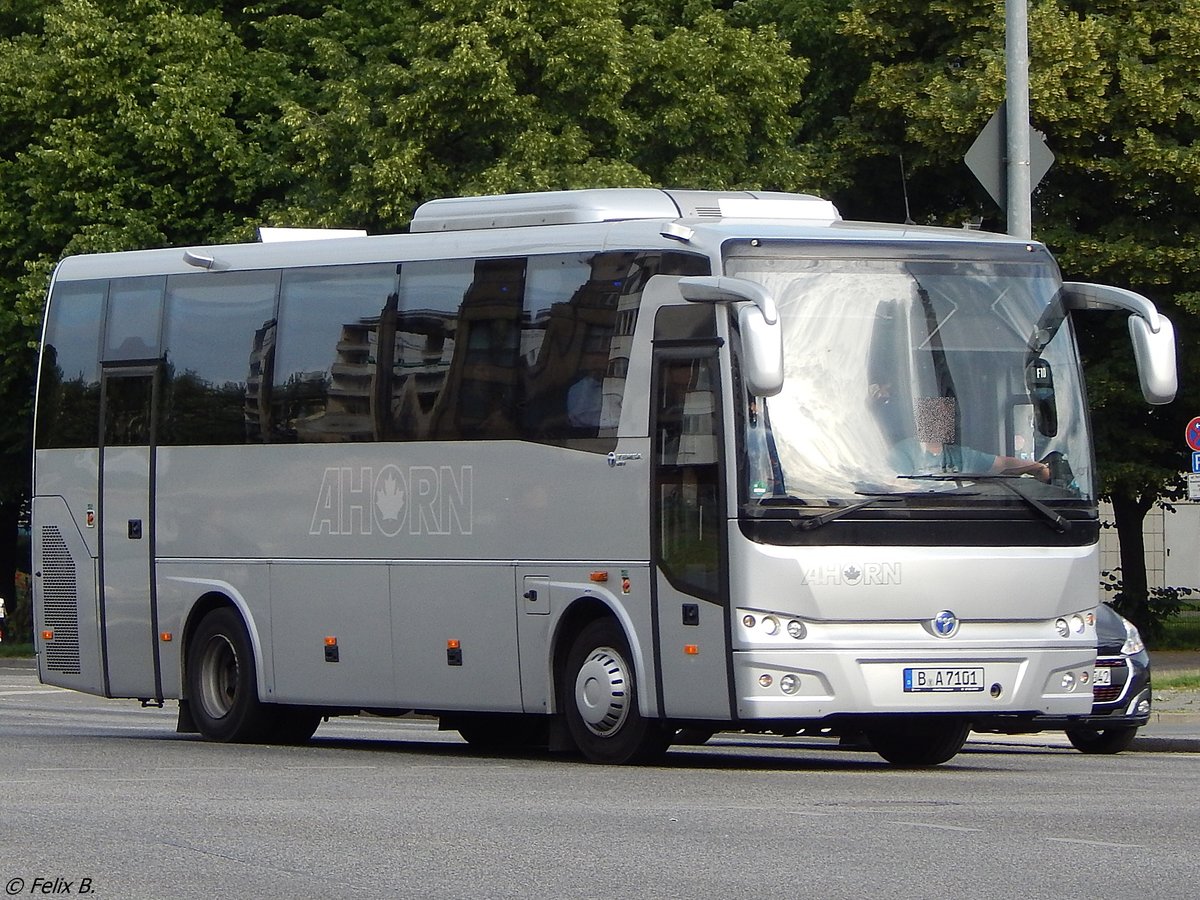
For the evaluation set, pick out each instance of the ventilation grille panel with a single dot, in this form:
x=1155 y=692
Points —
x=60 y=604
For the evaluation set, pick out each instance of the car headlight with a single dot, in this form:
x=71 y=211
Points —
x=1133 y=640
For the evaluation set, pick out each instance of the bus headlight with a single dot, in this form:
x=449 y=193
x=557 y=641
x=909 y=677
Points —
x=796 y=629
x=1063 y=629
x=789 y=684
x=770 y=625
x=1068 y=681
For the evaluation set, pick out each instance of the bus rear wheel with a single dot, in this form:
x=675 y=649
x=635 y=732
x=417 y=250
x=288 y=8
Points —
x=599 y=696
x=222 y=688
x=922 y=742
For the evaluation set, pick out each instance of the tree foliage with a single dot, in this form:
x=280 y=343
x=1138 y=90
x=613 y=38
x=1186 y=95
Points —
x=474 y=97
x=125 y=124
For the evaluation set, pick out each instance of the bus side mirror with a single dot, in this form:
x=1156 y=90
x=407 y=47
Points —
x=1155 y=355
x=1151 y=332
x=758 y=321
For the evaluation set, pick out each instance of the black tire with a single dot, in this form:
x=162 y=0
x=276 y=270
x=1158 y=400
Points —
x=292 y=725
x=599 y=696
x=923 y=742
x=222 y=687
x=1102 y=740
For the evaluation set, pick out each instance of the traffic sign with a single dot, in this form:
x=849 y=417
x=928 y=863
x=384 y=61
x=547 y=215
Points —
x=987 y=158
x=1192 y=435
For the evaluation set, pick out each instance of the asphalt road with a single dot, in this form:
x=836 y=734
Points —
x=101 y=798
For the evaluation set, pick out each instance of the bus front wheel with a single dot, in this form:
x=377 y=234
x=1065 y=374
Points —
x=921 y=742
x=599 y=694
x=222 y=687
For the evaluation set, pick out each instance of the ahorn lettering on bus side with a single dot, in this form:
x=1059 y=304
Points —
x=364 y=500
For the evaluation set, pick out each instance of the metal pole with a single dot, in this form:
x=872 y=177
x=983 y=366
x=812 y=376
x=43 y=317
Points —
x=1016 y=62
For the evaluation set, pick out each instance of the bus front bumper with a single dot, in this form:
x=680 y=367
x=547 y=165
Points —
x=814 y=684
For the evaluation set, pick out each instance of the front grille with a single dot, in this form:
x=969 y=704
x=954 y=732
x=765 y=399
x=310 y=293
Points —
x=1120 y=677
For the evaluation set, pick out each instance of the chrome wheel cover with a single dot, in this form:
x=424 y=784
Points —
x=602 y=692
x=218 y=677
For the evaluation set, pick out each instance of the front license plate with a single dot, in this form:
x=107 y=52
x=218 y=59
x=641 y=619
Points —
x=922 y=680
x=1102 y=677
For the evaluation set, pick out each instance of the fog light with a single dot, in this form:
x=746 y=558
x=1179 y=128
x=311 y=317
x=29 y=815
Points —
x=1064 y=630
x=1077 y=623
x=1143 y=707
x=789 y=684
x=770 y=625
x=748 y=620
x=765 y=680
x=796 y=629
x=1068 y=681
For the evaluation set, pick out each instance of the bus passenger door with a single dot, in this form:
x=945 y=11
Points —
x=128 y=612
x=689 y=544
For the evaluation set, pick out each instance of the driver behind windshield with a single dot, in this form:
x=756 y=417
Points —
x=934 y=450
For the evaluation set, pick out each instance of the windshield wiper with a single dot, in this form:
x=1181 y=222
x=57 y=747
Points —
x=1056 y=521
x=781 y=500
x=807 y=521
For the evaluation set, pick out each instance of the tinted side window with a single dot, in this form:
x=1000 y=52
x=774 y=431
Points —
x=580 y=316
x=134 y=319
x=687 y=473
x=219 y=340
x=425 y=342
x=331 y=377
x=572 y=308
x=68 y=412
x=483 y=383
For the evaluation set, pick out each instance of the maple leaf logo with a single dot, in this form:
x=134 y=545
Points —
x=852 y=574
x=389 y=499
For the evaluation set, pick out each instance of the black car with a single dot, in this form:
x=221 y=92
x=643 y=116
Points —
x=1120 y=691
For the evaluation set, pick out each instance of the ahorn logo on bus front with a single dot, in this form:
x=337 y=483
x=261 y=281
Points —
x=392 y=501
x=867 y=573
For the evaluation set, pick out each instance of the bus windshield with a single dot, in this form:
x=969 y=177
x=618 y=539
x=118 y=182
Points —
x=915 y=378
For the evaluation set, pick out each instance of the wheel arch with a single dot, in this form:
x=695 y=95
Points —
x=217 y=595
x=581 y=613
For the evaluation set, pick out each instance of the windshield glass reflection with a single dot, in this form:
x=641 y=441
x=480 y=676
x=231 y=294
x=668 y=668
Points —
x=907 y=377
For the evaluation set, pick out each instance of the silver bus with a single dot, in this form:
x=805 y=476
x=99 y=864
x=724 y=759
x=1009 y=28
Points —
x=595 y=470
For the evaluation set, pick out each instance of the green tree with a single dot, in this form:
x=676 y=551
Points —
x=1114 y=87
x=122 y=124
x=474 y=96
